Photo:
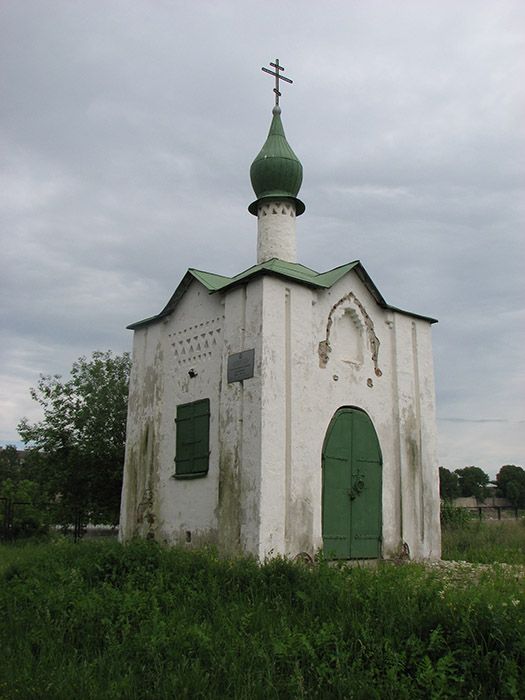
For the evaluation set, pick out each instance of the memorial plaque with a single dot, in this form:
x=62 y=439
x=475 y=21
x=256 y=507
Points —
x=240 y=366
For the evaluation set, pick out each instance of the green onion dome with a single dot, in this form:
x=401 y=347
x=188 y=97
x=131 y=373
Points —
x=276 y=173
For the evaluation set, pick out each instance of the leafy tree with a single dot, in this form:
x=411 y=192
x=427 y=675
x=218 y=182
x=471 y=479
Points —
x=448 y=484
x=9 y=463
x=21 y=498
x=473 y=481
x=76 y=451
x=29 y=516
x=510 y=481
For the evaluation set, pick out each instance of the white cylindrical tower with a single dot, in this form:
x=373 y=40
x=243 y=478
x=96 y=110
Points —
x=276 y=231
x=276 y=175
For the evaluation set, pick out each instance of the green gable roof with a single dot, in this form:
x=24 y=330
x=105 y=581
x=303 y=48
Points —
x=278 y=268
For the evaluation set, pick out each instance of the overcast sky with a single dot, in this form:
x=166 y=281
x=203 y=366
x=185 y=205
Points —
x=127 y=132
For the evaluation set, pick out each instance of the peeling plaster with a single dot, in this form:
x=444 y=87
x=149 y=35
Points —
x=324 y=346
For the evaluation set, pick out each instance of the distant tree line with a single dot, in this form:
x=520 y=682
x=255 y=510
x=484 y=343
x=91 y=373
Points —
x=473 y=481
x=73 y=459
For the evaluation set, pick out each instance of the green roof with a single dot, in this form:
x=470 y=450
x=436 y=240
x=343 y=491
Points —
x=278 y=268
x=295 y=271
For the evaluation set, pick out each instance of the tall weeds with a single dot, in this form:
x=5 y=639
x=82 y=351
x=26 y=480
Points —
x=101 y=620
x=486 y=542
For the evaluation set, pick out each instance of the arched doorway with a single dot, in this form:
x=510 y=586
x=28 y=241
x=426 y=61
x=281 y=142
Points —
x=352 y=485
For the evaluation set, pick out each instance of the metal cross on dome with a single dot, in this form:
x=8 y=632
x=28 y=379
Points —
x=278 y=77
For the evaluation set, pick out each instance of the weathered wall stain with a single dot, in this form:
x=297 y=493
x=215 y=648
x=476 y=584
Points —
x=142 y=469
x=324 y=346
x=301 y=522
x=147 y=502
x=142 y=502
x=229 y=503
x=411 y=431
x=130 y=500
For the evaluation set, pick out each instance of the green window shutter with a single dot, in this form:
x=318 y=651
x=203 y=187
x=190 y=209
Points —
x=193 y=439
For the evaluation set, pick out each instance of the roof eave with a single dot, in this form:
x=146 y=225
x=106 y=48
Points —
x=412 y=314
x=144 y=322
x=374 y=291
x=172 y=303
x=369 y=284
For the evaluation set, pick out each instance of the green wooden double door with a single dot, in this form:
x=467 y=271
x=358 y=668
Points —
x=352 y=487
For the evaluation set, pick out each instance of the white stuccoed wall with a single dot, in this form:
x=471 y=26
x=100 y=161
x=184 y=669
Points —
x=299 y=398
x=239 y=432
x=223 y=507
x=263 y=491
x=154 y=504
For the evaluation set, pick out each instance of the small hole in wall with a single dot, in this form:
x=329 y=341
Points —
x=188 y=535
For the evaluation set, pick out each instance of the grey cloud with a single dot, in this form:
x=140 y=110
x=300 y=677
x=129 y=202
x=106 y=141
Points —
x=129 y=129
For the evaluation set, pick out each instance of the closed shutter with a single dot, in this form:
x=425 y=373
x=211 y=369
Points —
x=193 y=439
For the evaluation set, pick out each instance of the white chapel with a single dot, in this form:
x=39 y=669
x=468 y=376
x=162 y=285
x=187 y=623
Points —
x=283 y=411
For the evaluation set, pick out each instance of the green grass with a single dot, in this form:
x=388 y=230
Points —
x=99 y=620
x=486 y=542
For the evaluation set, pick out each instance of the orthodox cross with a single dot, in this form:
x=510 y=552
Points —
x=278 y=77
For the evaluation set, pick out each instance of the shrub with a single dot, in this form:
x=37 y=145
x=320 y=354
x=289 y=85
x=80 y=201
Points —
x=453 y=517
x=29 y=515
